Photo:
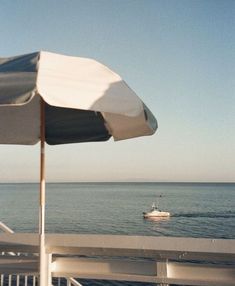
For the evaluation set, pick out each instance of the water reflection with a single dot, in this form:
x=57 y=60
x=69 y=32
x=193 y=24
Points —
x=158 y=219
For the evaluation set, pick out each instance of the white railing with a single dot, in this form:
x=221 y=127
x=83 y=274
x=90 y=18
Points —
x=14 y=279
x=160 y=260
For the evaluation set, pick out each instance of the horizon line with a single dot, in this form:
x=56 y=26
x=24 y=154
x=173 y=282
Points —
x=120 y=182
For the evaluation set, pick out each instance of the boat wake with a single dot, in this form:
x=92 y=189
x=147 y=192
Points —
x=206 y=214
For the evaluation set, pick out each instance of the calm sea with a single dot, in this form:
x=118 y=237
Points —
x=198 y=210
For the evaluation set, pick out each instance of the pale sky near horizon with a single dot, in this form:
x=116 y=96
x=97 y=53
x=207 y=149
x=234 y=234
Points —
x=178 y=56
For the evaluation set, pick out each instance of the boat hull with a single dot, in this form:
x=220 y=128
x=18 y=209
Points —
x=156 y=214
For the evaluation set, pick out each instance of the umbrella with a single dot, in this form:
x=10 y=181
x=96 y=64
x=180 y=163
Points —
x=60 y=99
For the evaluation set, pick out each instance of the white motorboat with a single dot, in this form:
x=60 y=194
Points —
x=155 y=212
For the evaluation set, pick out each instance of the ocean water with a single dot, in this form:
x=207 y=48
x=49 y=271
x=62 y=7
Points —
x=197 y=210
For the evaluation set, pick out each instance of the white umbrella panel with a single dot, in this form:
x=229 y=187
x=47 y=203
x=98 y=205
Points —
x=85 y=101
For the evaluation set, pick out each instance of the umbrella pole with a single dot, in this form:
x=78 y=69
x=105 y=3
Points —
x=43 y=261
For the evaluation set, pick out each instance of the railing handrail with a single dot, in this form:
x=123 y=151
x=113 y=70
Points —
x=123 y=245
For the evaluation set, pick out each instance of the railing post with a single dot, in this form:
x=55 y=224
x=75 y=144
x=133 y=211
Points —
x=49 y=269
x=2 y=279
x=34 y=280
x=17 y=280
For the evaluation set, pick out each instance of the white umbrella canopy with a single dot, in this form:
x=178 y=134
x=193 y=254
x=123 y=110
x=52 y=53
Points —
x=85 y=101
x=60 y=99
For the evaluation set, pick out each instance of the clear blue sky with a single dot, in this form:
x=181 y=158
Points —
x=178 y=56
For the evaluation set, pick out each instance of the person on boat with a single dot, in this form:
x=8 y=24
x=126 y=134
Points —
x=153 y=207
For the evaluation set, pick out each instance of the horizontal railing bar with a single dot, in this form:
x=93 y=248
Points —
x=143 y=271
x=115 y=245
x=76 y=266
x=202 y=274
x=18 y=265
x=147 y=243
x=142 y=246
x=19 y=242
